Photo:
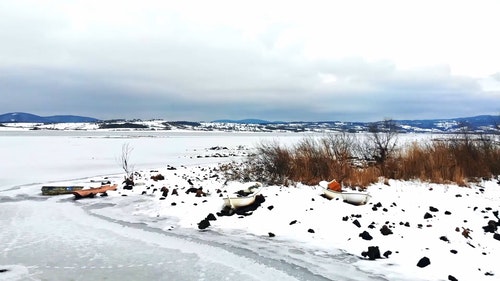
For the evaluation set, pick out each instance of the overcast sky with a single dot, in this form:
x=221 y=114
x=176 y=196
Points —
x=274 y=60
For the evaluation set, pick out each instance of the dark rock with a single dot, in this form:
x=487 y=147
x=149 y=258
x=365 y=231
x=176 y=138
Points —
x=345 y=218
x=144 y=193
x=271 y=234
x=427 y=216
x=173 y=204
x=447 y=213
x=365 y=235
x=270 y=207
x=491 y=227
x=432 y=209
x=444 y=238
x=373 y=253
x=372 y=225
x=211 y=217
x=387 y=254
x=423 y=262
x=385 y=230
x=452 y=278
x=356 y=223
x=293 y=222
x=378 y=205
x=128 y=187
x=3 y=270
x=454 y=251
x=310 y=230
x=203 y=224
x=162 y=198
x=407 y=224
x=496 y=236
x=174 y=192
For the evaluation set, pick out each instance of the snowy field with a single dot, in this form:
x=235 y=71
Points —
x=296 y=234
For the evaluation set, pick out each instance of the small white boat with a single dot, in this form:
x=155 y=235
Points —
x=352 y=197
x=244 y=198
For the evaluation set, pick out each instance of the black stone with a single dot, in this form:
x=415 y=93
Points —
x=211 y=217
x=385 y=230
x=427 y=216
x=444 y=238
x=310 y=230
x=293 y=222
x=432 y=209
x=203 y=224
x=365 y=235
x=373 y=253
x=270 y=207
x=271 y=234
x=452 y=278
x=496 y=236
x=356 y=223
x=423 y=262
x=387 y=254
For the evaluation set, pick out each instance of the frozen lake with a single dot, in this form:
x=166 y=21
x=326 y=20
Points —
x=53 y=238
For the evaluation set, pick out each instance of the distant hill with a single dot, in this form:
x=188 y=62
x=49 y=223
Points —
x=244 y=121
x=22 y=117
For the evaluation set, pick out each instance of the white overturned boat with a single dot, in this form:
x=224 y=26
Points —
x=244 y=197
x=352 y=197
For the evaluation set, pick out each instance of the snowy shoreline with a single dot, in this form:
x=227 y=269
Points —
x=407 y=221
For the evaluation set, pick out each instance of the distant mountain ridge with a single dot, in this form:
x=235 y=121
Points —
x=22 y=117
x=478 y=124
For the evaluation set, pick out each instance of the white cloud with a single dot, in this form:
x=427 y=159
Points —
x=362 y=56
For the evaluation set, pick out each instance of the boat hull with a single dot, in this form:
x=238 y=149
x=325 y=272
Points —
x=235 y=202
x=354 y=197
x=59 y=190
x=91 y=192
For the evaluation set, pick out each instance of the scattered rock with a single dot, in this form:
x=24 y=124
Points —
x=427 y=216
x=423 y=262
x=373 y=253
x=447 y=213
x=385 y=230
x=158 y=177
x=211 y=217
x=310 y=230
x=365 y=235
x=444 y=238
x=3 y=270
x=203 y=224
x=293 y=222
x=356 y=223
x=432 y=209
x=452 y=278
x=271 y=234
x=491 y=227
x=270 y=207
x=454 y=251
x=496 y=236
x=387 y=254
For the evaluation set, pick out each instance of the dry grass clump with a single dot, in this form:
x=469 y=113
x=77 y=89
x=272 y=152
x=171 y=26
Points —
x=356 y=161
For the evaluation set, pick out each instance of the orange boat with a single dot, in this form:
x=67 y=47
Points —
x=91 y=192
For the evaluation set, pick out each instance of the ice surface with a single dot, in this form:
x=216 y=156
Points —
x=139 y=237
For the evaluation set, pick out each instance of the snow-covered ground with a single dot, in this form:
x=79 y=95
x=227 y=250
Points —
x=296 y=234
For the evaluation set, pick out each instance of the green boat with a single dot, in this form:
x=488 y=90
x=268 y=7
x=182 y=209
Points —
x=58 y=190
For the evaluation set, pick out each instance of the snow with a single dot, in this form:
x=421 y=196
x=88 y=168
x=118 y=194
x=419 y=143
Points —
x=313 y=238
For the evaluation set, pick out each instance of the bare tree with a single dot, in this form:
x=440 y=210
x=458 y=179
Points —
x=125 y=161
x=382 y=142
